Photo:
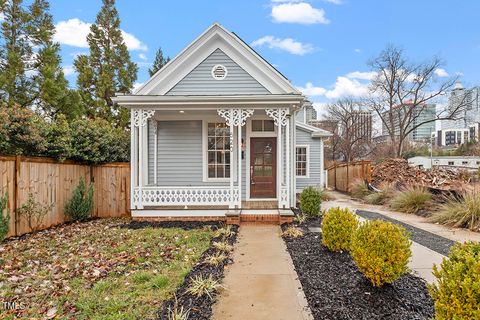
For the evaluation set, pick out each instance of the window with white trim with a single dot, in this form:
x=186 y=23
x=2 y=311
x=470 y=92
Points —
x=301 y=161
x=218 y=150
x=263 y=126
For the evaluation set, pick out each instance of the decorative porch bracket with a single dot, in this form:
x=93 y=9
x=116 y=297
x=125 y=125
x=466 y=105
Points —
x=278 y=115
x=238 y=116
x=141 y=116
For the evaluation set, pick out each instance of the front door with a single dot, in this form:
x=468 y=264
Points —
x=263 y=177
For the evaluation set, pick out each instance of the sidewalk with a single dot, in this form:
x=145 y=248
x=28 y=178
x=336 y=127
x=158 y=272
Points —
x=262 y=283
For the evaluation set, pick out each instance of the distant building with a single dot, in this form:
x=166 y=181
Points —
x=469 y=111
x=451 y=162
x=425 y=113
x=325 y=124
x=307 y=113
x=362 y=125
x=474 y=132
x=452 y=137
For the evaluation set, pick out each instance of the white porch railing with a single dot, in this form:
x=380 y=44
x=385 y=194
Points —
x=284 y=196
x=158 y=196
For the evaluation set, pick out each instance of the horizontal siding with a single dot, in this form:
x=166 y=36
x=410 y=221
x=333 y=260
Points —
x=314 y=179
x=200 y=81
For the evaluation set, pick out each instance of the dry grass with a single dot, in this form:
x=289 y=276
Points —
x=223 y=246
x=411 y=200
x=359 y=189
x=292 y=232
x=215 y=259
x=464 y=213
x=386 y=193
x=201 y=286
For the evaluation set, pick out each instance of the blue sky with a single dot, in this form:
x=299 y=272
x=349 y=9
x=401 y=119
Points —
x=322 y=46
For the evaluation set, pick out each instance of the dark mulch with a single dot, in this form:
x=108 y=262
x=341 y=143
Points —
x=185 y=225
x=430 y=240
x=335 y=289
x=200 y=308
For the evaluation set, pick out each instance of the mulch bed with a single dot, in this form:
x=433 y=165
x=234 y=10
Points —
x=200 y=307
x=335 y=289
x=185 y=225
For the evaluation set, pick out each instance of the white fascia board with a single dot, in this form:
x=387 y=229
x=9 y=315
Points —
x=316 y=132
x=135 y=101
x=216 y=37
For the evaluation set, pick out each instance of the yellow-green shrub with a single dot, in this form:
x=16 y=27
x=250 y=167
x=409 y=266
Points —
x=381 y=251
x=338 y=226
x=457 y=292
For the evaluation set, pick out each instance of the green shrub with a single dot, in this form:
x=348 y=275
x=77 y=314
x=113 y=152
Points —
x=4 y=217
x=79 y=207
x=457 y=292
x=34 y=212
x=464 y=213
x=310 y=200
x=381 y=251
x=338 y=226
x=412 y=200
x=359 y=189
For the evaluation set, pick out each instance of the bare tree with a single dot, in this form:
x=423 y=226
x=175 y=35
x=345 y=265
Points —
x=353 y=134
x=401 y=90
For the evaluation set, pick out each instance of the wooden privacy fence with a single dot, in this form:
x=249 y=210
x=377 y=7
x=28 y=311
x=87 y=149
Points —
x=341 y=175
x=51 y=182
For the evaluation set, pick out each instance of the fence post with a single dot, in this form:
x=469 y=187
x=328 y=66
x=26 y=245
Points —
x=15 y=192
x=348 y=180
x=335 y=176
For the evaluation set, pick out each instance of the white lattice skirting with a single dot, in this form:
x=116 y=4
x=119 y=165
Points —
x=157 y=196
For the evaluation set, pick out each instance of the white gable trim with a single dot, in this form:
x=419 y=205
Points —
x=316 y=132
x=216 y=37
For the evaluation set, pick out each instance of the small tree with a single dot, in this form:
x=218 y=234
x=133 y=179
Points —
x=34 y=212
x=4 y=218
x=158 y=63
x=79 y=207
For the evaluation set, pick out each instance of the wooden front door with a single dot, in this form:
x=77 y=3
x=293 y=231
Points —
x=263 y=169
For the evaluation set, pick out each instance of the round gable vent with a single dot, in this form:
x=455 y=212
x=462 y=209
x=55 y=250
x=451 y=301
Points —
x=219 y=72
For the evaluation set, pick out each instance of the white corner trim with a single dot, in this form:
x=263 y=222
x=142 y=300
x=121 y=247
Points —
x=307 y=147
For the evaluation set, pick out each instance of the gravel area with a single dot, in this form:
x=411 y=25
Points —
x=427 y=239
x=335 y=289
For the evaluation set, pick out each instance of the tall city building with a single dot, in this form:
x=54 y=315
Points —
x=466 y=104
x=423 y=117
x=307 y=113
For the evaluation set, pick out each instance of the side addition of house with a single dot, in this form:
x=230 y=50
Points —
x=218 y=133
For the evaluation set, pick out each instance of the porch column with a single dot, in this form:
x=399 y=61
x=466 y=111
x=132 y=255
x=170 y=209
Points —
x=279 y=116
x=155 y=146
x=241 y=116
x=232 y=198
x=133 y=160
x=140 y=118
x=287 y=159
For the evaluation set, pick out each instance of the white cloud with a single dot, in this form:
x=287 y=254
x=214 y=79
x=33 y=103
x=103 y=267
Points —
x=142 y=56
x=353 y=84
x=298 y=12
x=73 y=32
x=311 y=90
x=334 y=1
x=136 y=86
x=357 y=50
x=442 y=73
x=288 y=44
x=361 y=75
x=68 y=70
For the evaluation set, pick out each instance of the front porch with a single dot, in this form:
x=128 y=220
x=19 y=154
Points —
x=187 y=161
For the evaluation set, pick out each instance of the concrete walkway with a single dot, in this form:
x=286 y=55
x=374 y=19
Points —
x=262 y=283
x=423 y=258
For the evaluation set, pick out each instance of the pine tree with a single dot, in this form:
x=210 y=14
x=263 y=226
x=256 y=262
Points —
x=31 y=75
x=52 y=92
x=107 y=69
x=158 y=63
x=16 y=54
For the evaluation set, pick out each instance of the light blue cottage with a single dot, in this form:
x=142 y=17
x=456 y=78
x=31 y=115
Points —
x=219 y=130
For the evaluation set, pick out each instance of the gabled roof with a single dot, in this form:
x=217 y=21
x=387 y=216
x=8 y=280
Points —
x=217 y=37
x=316 y=132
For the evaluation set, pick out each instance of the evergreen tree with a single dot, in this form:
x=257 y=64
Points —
x=16 y=54
x=107 y=69
x=158 y=63
x=51 y=87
